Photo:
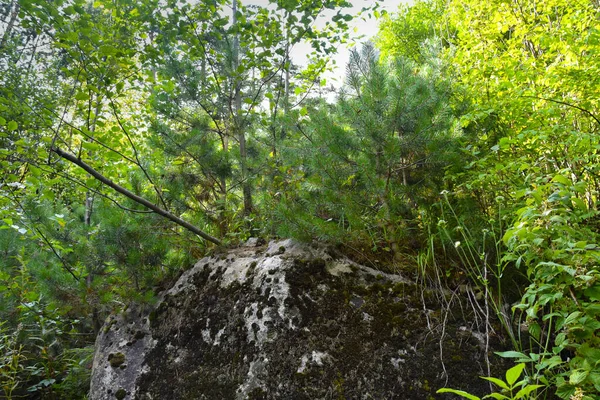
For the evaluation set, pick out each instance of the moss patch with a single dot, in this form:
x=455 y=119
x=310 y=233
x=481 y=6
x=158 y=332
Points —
x=116 y=359
x=120 y=394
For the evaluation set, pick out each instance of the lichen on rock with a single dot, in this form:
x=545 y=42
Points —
x=285 y=321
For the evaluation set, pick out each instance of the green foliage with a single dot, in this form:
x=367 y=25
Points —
x=510 y=388
x=204 y=114
x=142 y=93
x=412 y=29
x=534 y=119
x=553 y=240
x=44 y=352
x=60 y=277
x=478 y=250
x=372 y=161
x=210 y=84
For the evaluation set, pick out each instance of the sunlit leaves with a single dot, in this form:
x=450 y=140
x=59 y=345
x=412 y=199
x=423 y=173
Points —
x=535 y=67
x=410 y=30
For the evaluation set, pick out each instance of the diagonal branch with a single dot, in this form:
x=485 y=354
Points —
x=564 y=103
x=97 y=175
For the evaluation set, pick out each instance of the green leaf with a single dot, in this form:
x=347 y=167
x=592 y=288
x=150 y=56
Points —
x=107 y=50
x=509 y=234
x=47 y=382
x=2 y=121
x=562 y=180
x=535 y=330
x=512 y=354
x=571 y=318
x=565 y=391
x=496 y=381
x=593 y=293
x=82 y=96
x=91 y=146
x=497 y=396
x=560 y=339
x=526 y=391
x=578 y=376
x=595 y=377
x=579 y=204
x=460 y=393
x=513 y=374
x=12 y=126
x=35 y=171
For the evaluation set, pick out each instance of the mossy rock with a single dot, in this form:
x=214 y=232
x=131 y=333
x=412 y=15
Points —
x=281 y=326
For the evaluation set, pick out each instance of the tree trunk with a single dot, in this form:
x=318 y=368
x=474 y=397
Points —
x=15 y=6
x=89 y=198
x=239 y=129
x=222 y=207
x=89 y=209
x=286 y=84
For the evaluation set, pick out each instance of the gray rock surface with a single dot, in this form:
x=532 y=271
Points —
x=287 y=321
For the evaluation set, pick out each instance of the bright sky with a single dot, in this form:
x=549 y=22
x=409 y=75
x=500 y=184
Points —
x=364 y=27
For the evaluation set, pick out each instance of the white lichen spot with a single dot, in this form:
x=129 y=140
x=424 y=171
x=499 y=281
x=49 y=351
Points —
x=236 y=271
x=218 y=337
x=269 y=281
x=337 y=268
x=271 y=276
x=383 y=275
x=323 y=287
x=480 y=337
x=318 y=357
x=253 y=379
x=303 y=362
x=181 y=354
x=397 y=361
x=206 y=336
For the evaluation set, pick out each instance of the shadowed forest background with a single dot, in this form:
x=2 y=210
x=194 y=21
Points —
x=138 y=136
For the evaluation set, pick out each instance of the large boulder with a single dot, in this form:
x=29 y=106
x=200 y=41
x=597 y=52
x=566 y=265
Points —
x=288 y=321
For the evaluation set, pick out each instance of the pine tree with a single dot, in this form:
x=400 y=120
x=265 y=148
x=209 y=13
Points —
x=369 y=164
